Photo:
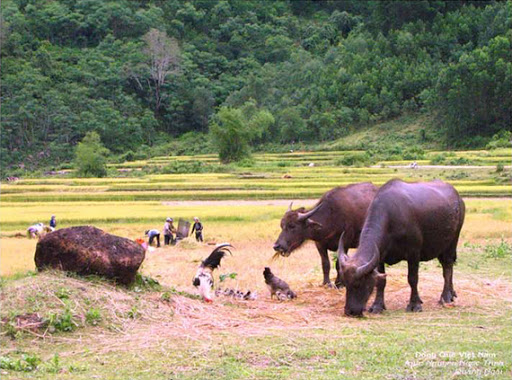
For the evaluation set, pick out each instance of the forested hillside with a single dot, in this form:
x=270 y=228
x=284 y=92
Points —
x=143 y=72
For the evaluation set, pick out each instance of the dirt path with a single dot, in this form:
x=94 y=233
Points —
x=239 y=202
x=279 y=202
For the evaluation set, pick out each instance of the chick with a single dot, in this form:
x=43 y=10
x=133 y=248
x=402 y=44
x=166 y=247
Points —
x=277 y=287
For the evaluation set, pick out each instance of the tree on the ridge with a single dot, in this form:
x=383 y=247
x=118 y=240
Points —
x=90 y=156
x=234 y=129
x=163 y=53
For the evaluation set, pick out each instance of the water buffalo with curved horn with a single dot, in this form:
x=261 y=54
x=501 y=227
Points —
x=340 y=210
x=406 y=221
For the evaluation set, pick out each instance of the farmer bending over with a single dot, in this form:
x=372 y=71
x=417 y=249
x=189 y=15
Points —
x=35 y=230
x=152 y=234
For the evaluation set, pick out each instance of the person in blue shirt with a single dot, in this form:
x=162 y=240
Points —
x=152 y=235
x=53 y=222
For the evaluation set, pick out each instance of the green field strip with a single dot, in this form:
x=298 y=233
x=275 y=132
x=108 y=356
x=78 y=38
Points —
x=232 y=184
x=306 y=192
x=52 y=188
x=76 y=181
x=504 y=152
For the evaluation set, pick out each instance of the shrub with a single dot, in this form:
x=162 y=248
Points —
x=360 y=159
x=145 y=283
x=246 y=163
x=93 y=316
x=223 y=277
x=230 y=135
x=459 y=161
x=291 y=125
x=64 y=166
x=62 y=293
x=499 y=168
x=133 y=313
x=498 y=251
x=53 y=365
x=183 y=167
x=458 y=175
x=90 y=156
x=500 y=140
x=438 y=159
x=26 y=363
x=128 y=156
x=413 y=153
x=388 y=152
x=234 y=129
x=189 y=143
x=166 y=296
x=62 y=322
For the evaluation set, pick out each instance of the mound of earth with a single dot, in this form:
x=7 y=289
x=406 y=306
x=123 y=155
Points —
x=88 y=250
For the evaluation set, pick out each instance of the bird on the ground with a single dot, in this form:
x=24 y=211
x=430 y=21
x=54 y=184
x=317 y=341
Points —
x=203 y=279
x=228 y=292
x=278 y=287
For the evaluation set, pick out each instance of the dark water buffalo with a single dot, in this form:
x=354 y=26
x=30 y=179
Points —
x=406 y=221
x=340 y=210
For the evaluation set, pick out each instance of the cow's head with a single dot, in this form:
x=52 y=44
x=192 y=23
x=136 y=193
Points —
x=296 y=227
x=359 y=280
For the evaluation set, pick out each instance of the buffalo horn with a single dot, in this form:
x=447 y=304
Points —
x=305 y=215
x=342 y=255
x=290 y=206
x=370 y=265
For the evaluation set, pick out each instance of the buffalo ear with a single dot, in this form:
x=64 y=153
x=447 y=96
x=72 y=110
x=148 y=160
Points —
x=312 y=223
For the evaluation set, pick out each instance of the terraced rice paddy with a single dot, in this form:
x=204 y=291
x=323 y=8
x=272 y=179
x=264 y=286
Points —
x=270 y=176
x=330 y=158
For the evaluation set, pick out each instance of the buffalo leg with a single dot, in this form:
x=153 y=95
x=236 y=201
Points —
x=339 y=282
x=378 y=305
x=326 y=265
x=448 y=294
x=412 y=277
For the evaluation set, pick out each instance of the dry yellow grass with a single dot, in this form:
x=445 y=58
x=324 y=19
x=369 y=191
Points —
x=16 y=255
x=195 y=337
x=251 y=226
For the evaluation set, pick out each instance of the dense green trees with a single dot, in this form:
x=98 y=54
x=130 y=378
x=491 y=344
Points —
x=142 y=72
x=474 y=93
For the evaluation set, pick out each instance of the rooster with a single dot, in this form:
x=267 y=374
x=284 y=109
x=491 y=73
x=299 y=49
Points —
x=278 y=287
x=204 y=277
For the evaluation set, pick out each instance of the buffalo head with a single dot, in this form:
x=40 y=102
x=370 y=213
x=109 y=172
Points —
x=296 y=227
x=359 y=280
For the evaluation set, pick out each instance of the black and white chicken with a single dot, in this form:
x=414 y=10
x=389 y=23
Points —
x=278 y=287
x=203 y=279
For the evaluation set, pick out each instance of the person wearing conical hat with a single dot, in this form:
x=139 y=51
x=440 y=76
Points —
x=169 y=230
